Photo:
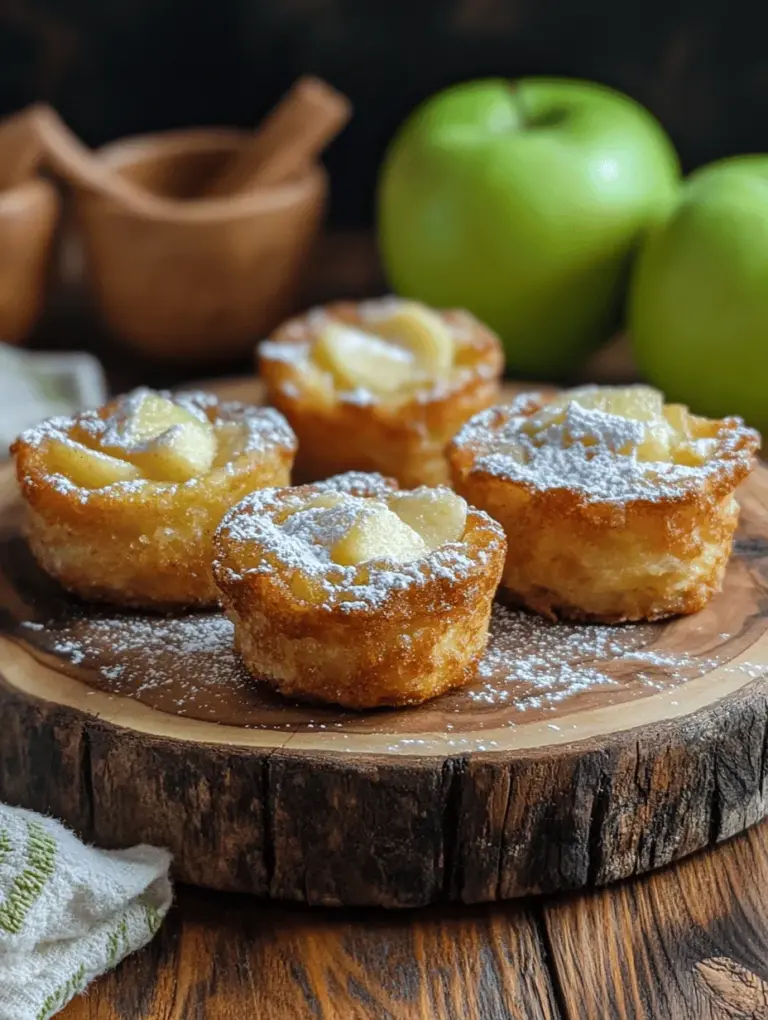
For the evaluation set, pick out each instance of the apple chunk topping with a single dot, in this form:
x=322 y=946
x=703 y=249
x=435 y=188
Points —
x=631 y=420
x=352 y=531
x=166 y=441
x=86 y=467
x=407 y=527
x=694 y=441
x=355 y=358
x=638 y=403
x=378 y=534
x=438 y=515
x=421 y=331
x=349 y=530
x=390 y=354
x=179 y=454
x=147 y=436
x=152 y=416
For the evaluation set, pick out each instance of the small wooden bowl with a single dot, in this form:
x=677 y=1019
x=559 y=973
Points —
x=28 y=216
x=195 y=279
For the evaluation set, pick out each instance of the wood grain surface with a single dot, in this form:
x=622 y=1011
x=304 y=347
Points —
x=451 y=801
x=687 y=943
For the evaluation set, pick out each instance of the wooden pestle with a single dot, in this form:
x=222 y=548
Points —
x=78 y=165
x=290 y=137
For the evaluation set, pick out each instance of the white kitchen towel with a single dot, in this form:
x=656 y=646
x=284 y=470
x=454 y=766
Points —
x=69 y=912
x=35 y=385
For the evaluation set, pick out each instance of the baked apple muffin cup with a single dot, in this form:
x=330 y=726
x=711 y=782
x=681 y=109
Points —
x=360 y=597
x=616 y=506
x=122 y=502
x=380 y=386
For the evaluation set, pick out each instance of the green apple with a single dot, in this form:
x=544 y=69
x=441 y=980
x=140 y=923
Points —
x=523 y=202
x=698 y=311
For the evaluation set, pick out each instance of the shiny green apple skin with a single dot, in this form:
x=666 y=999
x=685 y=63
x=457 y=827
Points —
x=523 y=202
x=698 y=309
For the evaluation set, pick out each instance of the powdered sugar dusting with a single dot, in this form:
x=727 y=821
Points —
x=186 y=657
x=319 y=529
x=531 y=662
x=594 y=453
x=276 y=532
x=248 y=429
x=262 y=427
x=358 y=483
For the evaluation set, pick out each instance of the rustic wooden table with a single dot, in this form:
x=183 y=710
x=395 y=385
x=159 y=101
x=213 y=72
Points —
x=688 y=942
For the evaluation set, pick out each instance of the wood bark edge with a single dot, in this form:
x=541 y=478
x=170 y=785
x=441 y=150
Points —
x=328 y=829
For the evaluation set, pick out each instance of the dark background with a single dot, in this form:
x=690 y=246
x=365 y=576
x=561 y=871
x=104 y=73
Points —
x=117 y=67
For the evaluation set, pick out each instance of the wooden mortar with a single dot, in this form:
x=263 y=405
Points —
x=29 y=210
x=195 y=280
x=28 y=216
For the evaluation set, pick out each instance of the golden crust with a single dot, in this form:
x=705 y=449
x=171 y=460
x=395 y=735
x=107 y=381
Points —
x=406 y=633
x=643 y=550
x=145 y=543
x=406 y=439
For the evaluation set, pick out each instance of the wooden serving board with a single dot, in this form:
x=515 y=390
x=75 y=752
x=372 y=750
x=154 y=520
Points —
x=580 y=755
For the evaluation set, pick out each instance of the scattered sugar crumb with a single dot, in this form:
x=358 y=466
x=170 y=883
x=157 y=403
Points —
x=529 y=665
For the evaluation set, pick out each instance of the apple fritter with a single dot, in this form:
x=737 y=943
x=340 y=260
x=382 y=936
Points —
x=380 y=386
x=616 y=506
x=122 y=501
x=360 y=596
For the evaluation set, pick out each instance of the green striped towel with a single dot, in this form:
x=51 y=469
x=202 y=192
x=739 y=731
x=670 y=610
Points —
x=69 y=912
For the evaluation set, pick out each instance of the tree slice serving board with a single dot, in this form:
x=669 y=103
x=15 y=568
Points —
x=580 y=755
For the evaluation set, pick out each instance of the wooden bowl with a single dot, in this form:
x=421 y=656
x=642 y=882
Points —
x=188 y=278
x=28 y=216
